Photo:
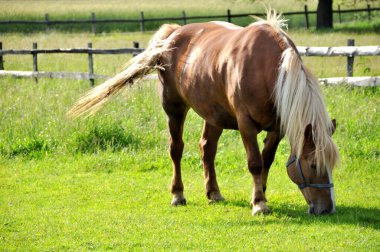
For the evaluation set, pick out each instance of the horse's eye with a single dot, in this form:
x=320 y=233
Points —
x=313 y=166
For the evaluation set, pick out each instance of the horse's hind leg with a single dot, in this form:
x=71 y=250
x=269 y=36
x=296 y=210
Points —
x=176 y=118
x=208 y=145
x=271 y=142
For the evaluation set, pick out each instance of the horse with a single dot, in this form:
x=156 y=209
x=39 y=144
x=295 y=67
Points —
x=249 y=79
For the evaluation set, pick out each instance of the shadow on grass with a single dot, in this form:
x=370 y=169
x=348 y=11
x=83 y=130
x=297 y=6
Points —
x=351 y=215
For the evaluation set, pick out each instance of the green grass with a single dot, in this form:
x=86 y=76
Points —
x=114 y=193
x=103 y=183
x=118 y=9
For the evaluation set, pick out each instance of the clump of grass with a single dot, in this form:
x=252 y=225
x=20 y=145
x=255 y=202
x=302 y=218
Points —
x=359 y=26
x=103 y=137
x=33 y=148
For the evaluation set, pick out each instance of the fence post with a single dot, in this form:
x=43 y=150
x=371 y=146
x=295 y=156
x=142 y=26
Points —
x=1 y=57
x=90 y=65
x=142 y=21
x=35 y=64
x=369 y=11
x=184 y=17
x=339 y=14
x=306 y=17
x=229 y=15
x=135 y=45
x=93 y=22
x=47 y=21
x=350 y=59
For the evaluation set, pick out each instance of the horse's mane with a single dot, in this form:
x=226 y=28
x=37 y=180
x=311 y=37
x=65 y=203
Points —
x=273 y=19
x=299 y=102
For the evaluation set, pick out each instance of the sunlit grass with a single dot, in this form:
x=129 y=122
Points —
x=118 y=9
x=102 y=183
x=195 y=7
x=88 y=198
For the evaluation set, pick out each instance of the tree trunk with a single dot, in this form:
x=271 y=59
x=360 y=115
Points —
x=324 y=14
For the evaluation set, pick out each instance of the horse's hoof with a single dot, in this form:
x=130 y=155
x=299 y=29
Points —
x=178 y=200
x=215 y=197
x=260 y=208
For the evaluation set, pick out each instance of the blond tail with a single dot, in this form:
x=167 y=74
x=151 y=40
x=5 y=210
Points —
x=137 y=68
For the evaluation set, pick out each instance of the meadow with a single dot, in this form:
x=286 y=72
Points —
x=103 y=183
x=121 y=9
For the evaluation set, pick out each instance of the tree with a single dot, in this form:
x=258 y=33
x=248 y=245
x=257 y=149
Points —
x=324 y=14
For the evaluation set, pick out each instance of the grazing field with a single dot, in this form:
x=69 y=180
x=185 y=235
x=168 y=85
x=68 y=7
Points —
x=119 y=9
x=103 y=183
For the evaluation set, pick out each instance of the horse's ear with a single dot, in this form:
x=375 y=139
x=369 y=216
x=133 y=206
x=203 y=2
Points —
x=309 y=136
x=333 y=122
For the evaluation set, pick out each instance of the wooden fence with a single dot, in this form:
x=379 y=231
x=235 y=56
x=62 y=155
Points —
x=349 y=51
x=86 y=76
x=183 y=18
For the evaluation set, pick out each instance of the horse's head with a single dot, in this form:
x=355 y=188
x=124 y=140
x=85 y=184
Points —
x=314 y=182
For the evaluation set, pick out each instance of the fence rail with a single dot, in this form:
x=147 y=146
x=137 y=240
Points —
x=73 y=51
x=364 y=81
x=303 y=51
x=339 y=51
x=183 y=18
x=346 y=51
x=52 y=75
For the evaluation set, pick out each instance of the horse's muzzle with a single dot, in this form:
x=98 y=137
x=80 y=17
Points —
x=319 y=210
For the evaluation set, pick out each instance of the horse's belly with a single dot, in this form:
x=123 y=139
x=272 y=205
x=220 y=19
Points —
x=217 y=115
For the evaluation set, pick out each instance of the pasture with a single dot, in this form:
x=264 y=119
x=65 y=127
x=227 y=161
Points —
x=102 y=183
x=119 y=9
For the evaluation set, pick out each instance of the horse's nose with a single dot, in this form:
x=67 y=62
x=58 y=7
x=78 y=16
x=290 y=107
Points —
x=324 y=211
x=328 y=211
x=311 y=209
x=320 y=210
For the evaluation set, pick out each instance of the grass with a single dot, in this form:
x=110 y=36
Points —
x=118 y=9
x=114 y=194
x=103 y=183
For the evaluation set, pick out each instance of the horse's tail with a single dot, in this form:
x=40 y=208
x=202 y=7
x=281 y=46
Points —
x=299 y=102
x=137 y=68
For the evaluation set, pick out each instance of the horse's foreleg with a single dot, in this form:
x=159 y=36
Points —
x=271 y=143
x=176 y=121
x=249 y=131
x=208 y=145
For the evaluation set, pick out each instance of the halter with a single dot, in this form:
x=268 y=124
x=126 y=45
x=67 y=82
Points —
x=304 y=184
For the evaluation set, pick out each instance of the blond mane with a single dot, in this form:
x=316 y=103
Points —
x=273 y=19
x=299 y=102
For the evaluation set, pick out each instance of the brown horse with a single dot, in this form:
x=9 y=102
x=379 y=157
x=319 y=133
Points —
x=248 y=79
